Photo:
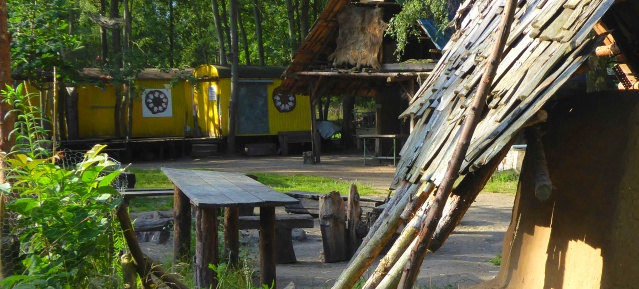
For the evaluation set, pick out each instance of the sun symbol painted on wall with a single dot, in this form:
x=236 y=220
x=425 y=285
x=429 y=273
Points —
x=156 y=101
x=283 y=102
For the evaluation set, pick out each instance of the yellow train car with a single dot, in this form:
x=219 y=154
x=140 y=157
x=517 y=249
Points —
x=261 y=111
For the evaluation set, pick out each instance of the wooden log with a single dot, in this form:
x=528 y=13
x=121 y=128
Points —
x=332 y=225
x=181 y=227
x=409 y=275
x=267 y=246
x=353 y=220
x=543 y=183
x=231 y=235
x=206 y=251
x=145 y=265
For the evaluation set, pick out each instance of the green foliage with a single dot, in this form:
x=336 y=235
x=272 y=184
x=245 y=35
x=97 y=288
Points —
x=41 y=38
x=496 y=260
x=240 y=277
x=404 y=24
x=31 y=139
x=504 y=182
x=64 y=218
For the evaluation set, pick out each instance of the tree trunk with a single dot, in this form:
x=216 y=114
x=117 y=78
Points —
x=128 y=88
x=171 y=35
x=355 y=229
x=6 y=126
x=304 y=18
x=104 y=42
x=219 y=29
x=291 y=26
x=258 y=31
x=234 y=78
x=327 y=106
x=117 y=64
x=226 y=29
x=247 y=53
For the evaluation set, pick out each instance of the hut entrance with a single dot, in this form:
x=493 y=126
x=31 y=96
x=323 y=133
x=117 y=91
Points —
x=252 y=108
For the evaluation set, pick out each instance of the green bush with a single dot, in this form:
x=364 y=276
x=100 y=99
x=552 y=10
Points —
x=64 y=217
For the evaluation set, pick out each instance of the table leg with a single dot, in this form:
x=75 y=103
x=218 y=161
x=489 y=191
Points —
x=267 y=245
x=205 y=247
x=181 y=227
x=364 y=140
x=231 y=234
x=394 y=152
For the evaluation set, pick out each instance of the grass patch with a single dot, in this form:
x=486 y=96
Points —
x=150 y=179
x=496 y=260
x=154 y=178
x=315 y=184
x=504 y=182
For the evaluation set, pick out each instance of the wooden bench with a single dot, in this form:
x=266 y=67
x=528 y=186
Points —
x=284 y=225
x=287 y=137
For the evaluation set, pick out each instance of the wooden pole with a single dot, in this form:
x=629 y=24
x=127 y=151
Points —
x=418 y=252
x=205 y=247
x=181 y=227
x=267 y=246
x=231 y=234
x=145 y=265
x=316 y=150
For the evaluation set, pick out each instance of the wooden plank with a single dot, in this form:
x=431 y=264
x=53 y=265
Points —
x=281 y=221
x=222 y=189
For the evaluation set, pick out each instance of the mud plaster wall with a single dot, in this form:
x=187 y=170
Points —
x=585 y=235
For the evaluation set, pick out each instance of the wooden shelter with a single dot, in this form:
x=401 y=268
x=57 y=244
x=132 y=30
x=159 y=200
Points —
x=346 y=54
x=548 y=43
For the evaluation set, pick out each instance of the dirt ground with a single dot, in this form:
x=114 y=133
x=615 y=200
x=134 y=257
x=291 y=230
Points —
x=462 y=261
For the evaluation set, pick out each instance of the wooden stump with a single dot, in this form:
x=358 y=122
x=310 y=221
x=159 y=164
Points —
x=267 y=246
x=332 y=225
x=181 y=227
x=205 y=247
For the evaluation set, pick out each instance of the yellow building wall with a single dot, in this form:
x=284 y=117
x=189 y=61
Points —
x=216 y=125
x=96 y=111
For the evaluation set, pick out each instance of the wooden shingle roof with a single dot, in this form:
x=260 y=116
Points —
x=549 y=41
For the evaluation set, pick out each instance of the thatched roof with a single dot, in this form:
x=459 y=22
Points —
x=348 y=33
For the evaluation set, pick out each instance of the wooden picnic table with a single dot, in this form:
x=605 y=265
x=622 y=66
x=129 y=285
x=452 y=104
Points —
x=208 y=191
